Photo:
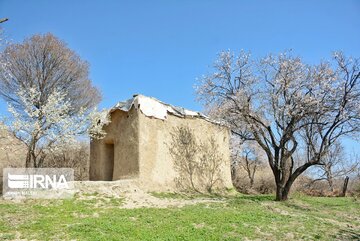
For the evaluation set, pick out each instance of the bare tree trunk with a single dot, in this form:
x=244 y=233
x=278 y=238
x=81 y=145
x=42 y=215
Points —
x=28 y=160
x=34 y=160
x=251 y=177
x=329 y=176
x=331 y=184
x=283 y=189
x=30 y=156
x=346 y=181
x=251 y=182
x=250 y=170
x=282 y=192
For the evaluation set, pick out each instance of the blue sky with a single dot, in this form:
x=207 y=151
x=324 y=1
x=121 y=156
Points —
x=159 y=48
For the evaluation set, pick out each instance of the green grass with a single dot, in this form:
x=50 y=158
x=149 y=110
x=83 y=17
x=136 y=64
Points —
x=237 y=217
x=185 y=196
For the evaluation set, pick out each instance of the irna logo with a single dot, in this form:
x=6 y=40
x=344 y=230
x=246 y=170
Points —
x=37 y=181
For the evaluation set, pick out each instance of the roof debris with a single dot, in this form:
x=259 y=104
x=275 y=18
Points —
x=152 y=107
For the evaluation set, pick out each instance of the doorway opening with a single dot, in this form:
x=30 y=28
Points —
x=109 y=161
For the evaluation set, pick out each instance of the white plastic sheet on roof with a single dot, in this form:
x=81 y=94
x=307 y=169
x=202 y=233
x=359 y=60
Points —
x=152 y=107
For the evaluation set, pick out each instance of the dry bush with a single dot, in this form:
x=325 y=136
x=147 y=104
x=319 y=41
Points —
x=76 y=157
x=309 y=186
x=240 y=180
x=197 y=163
x=263 y=181
x=355 y=189
x=264 y=184
x=306 y=185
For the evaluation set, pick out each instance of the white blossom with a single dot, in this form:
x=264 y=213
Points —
x=52 y=126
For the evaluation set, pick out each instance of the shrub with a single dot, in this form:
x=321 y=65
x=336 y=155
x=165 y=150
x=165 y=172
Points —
x=76 y=157
x=263 y=182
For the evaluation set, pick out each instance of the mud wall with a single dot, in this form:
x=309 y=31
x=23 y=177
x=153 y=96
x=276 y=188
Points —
x=156 y=165
x=117 y=155
x=12 y=153
x=140 y=147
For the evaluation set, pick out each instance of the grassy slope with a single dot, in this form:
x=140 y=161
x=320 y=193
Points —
x=241 y=217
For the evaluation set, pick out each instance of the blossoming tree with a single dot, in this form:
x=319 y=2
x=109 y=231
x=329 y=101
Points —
x=286 y=106
x=50 y=96
x=52 y=126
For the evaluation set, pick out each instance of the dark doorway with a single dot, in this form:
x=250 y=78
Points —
x=109 y=162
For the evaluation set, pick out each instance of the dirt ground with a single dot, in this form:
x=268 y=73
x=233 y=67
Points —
x=132 y=195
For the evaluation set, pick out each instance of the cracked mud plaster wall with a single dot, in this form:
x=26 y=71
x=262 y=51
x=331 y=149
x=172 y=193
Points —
x=141 y=149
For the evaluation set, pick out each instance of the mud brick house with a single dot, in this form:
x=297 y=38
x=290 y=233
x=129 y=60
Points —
x=136 y=145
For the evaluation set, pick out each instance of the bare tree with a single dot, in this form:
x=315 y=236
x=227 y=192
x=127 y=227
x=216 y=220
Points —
x=250 y=160
x=334 y=165
x=276 y=100
x=76 y=157
x=45 y=63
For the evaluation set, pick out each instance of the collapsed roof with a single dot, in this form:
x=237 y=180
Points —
x=152 y=107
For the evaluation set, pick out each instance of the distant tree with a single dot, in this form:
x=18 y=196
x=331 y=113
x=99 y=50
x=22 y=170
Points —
x=279 y=99
x=249 y=158
x=46 y=64
x=334 y=165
